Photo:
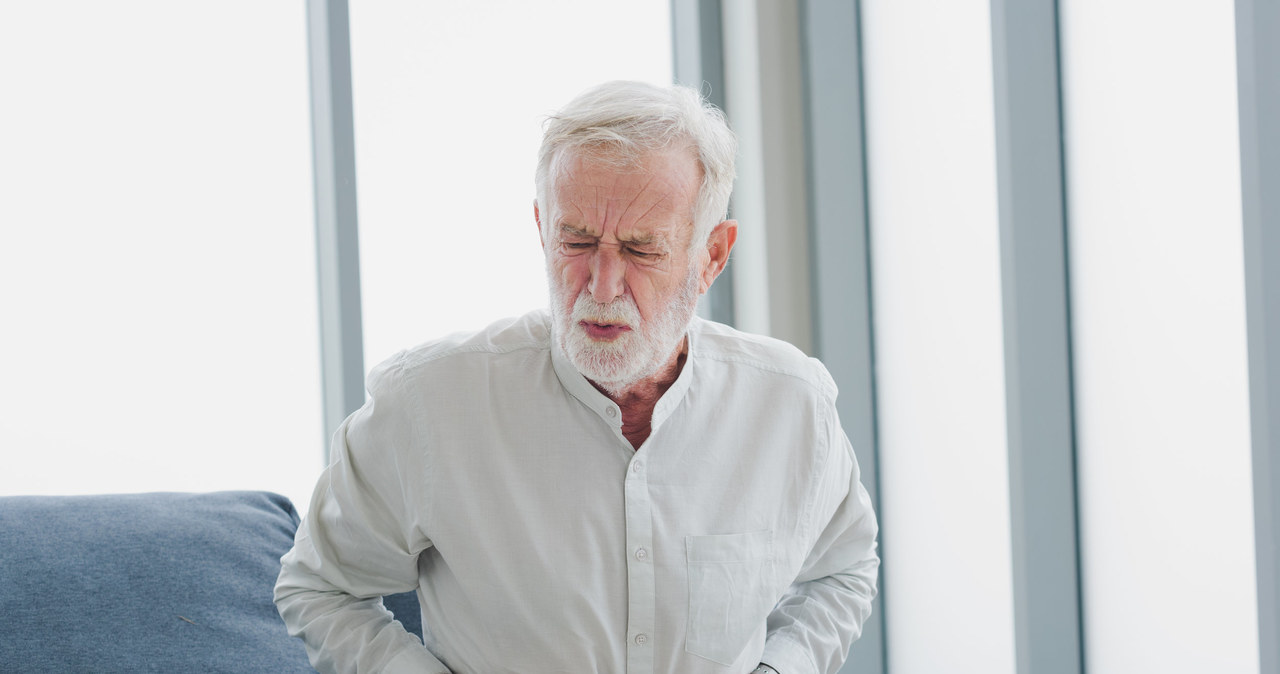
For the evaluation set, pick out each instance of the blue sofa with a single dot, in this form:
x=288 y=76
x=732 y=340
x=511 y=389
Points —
x=160 y=582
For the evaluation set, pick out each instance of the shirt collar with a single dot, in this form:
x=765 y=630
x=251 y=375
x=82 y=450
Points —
x=675 y=395
x=578 y=386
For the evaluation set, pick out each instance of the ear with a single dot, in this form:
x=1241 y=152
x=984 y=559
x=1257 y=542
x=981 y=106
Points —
x=721 y=241
x=537 y=217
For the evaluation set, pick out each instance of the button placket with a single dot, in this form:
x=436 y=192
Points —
x=641 y=587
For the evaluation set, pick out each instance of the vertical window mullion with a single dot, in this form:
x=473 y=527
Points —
x=841 y=279
x=1258 y=76
x=697 y=39
x=1041 y=434
x=337 y=243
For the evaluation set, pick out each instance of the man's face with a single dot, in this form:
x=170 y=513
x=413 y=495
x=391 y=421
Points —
x=623 y=285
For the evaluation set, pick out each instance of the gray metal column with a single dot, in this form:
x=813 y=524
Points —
x=841 y=274
x=1258 y=74
x=1037 y=340
x=337 y=251
x=698 y=58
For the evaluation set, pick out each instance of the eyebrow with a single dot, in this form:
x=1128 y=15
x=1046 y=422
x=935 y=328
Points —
x=641 y=240
x=570 y=230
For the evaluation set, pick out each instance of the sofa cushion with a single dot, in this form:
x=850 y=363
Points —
x=148 y=582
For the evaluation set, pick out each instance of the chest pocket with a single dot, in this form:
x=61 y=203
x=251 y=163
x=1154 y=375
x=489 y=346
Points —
x=731 y=592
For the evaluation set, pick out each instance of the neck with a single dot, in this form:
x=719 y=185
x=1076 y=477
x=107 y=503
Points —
x=638 y=400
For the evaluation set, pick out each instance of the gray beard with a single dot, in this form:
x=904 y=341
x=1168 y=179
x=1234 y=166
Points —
x=635 y=356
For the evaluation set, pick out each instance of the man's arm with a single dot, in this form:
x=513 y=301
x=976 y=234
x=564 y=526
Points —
x=358 y=543
x=812 y=627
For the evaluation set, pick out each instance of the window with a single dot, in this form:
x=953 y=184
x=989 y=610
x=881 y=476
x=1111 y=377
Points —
x=449 y=100
x=157 y=264
x=1158 y=318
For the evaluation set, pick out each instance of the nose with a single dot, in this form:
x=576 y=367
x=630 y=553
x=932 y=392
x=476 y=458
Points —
x=607 y=276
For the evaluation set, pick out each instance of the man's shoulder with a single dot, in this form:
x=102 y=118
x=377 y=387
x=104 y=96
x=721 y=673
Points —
x=768 y=356
x=525 y=334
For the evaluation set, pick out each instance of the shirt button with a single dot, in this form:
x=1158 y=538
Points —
x=642 y=639
x=611 y=412
x=642 y=554
x=636 y=466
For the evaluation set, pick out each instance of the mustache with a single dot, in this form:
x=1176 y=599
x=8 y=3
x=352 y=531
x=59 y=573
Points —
x=622 y=311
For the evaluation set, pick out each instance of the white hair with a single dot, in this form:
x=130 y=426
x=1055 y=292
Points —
x=624 y=121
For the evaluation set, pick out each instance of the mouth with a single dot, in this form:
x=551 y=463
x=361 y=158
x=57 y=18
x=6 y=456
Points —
x=605 y=332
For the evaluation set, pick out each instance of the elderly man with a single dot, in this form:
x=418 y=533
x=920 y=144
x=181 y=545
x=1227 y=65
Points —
x=611 y=486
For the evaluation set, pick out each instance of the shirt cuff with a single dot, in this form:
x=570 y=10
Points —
x=788 y=657
x=416 y=661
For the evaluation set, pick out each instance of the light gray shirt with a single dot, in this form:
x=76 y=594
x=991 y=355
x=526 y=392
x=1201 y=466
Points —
x=487 y=474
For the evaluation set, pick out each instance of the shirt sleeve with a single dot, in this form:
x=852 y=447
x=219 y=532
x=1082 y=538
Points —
x=821 y=615
x=357 y=543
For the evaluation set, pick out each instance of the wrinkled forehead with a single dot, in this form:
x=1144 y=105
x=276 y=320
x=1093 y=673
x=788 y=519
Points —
x=575 y=170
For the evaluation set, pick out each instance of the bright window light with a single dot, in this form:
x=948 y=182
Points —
x=449 y=102
x=157 y=264
x=1158 y=315
x=939 y=342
